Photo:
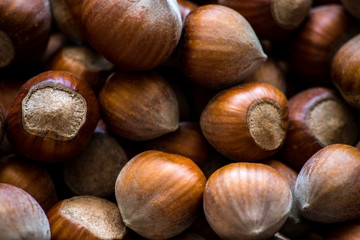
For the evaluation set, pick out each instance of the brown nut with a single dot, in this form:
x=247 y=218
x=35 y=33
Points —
x=83 y=62
x=135 y=35
x=219 y=48
x=29 y=176
x=344 y=71
x=186 y=7
x=352 y=6
x=327 y=189
x=139 y=106
x=317 y=118
x=52 y=117
x=21 y=215
x=271 y=19
x=95 y=169
x=24 y=30
x=187 y=141
x=86 y=217
x=246 y=201
x=247 y=122
x=159 y=194
x=67 y=17
x=312 y=47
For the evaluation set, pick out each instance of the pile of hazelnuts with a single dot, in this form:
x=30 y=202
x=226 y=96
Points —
x=165 y=119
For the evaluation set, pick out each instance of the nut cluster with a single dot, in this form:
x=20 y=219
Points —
x=179 y=119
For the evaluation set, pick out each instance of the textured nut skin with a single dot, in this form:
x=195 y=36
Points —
x=159 y=194
x=47 y=149
x=224 y=121
x=301 y=141
x=246 y=201
x=28 y=25
x=139 y=106
x=327 y=189
x=21 y=215
x=218 y=48
x=344 y=71
x=135 y=35
x=86 y=217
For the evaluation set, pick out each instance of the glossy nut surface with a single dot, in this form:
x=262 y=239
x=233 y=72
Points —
x=247 y=122
x=218 y=48
x=139 y=106
x=135 y=35
x=159 y=194
x=52 y=117
x=246 y=201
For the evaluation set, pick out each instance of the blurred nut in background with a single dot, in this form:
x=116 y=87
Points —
x=24 y=30
x=83 y=62
x=29 y=176
x=345 y=71
x=271 y=19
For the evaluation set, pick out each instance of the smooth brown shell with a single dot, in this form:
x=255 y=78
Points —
x=327 y=187
x=225 y=122
x=159 y=194
x=246 y=201
x=139 y=106
x=135 y=35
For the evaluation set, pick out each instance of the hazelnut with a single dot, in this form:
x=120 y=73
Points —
x=313 y=46
x=159 y=194
x=21 y=215
x=139 y=106
x=271 y=19
x=352 y=6
x=246 y=201
x=84 y=62
x=219 y=48
x=86 y=217
x=187 y=140
x=271 y=73
x=247 y=122
x=67 y=17
x=95 y=169
x=24 y=30
x=344 y=71
x=327 y=189
x=29 y=176
x=186 y=7
x=317 y=118
x=135 y=35
x=52 y=117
